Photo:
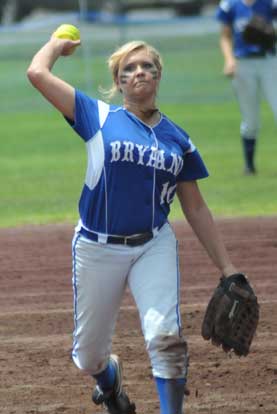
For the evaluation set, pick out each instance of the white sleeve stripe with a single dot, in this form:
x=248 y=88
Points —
x=192 y=147
x=225 y=5
x=96 y=158
x=103 y=112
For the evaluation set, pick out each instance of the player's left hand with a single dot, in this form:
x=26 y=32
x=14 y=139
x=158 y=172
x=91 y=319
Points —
x=232 y=315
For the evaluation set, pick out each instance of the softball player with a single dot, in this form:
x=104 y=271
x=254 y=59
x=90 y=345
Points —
x=253 y=70
x=137 y=160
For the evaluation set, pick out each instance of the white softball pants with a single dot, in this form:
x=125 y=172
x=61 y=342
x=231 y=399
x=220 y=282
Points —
x=254 y=77
x=101 y=273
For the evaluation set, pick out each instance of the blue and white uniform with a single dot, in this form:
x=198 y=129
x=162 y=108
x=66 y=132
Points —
x=123 y=150
x=131 y=179
x=237 y=13
x=256 y=70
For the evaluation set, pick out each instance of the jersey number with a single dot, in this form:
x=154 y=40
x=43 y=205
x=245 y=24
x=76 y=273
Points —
x=168 y=193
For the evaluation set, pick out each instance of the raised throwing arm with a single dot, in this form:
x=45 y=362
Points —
x=58 y=92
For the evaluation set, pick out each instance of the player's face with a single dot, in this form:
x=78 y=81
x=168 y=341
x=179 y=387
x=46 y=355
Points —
x=138 y=75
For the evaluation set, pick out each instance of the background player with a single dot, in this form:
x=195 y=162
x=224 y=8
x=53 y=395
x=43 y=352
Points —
x=137 y=160
x=253 y=69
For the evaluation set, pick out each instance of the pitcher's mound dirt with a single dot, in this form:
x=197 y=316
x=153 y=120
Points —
x=37 y=374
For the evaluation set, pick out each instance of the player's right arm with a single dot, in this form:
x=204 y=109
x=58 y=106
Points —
x=226 y=45
x=58 y=92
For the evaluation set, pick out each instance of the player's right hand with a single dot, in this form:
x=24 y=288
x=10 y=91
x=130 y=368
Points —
x=67 y=46
x=230 y=67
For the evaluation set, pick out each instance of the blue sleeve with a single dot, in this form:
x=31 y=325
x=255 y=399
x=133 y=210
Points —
x=193 y=168
x=86 y=117
x=224 y=13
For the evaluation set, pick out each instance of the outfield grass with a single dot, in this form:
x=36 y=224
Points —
x=214 y=130
x=43 y=162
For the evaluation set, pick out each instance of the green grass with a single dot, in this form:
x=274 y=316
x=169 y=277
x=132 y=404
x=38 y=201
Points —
x=43 y=162
x=43 y=165
x=215 y=131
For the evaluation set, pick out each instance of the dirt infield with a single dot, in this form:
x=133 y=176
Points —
x=37 y=374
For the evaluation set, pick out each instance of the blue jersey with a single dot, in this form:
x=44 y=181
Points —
x=236 y=13
x=132 y=168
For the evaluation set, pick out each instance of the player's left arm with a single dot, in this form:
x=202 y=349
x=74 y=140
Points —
x=200 y=218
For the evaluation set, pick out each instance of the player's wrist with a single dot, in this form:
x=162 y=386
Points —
x=229 y=270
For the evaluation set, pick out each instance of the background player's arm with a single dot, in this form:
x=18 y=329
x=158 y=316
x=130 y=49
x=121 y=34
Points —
x=226 y=45
x=202 y=223
x=54 y=89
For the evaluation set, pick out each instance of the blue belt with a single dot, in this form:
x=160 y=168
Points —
x=136 y=240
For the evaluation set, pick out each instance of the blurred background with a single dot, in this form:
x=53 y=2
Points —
x=42 y=161
x=16 y=10
x=183 y=30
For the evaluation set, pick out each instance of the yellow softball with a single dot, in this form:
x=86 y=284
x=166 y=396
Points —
x=67 y=31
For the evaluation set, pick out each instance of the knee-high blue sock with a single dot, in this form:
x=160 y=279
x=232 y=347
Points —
x=249 y=147
x=171 y=394
x=106 y=378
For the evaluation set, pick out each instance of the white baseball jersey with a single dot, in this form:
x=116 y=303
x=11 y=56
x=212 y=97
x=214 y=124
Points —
x=132 y=168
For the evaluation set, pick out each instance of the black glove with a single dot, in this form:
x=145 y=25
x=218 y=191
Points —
x=260 y=33
x=232 y=315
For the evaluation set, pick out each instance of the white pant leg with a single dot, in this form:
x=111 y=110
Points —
x=269 y=82
x=99 y=279
x=154 y=283
x=246 y=85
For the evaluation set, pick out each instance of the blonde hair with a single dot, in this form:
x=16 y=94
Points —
x=121 y=53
